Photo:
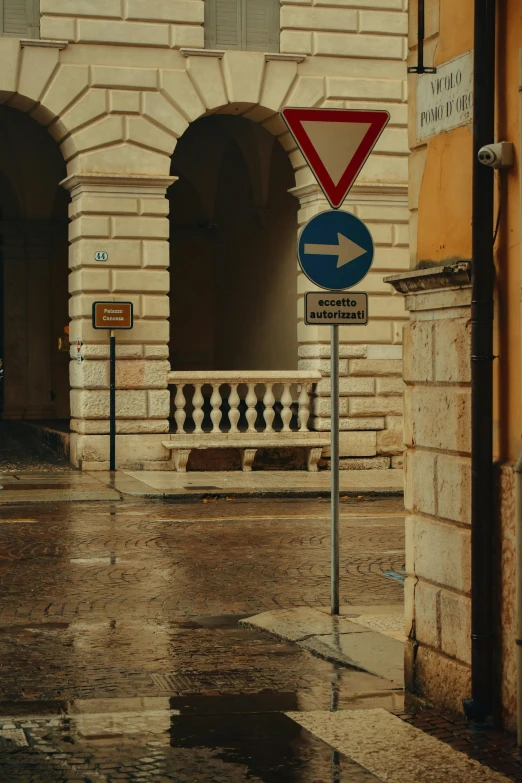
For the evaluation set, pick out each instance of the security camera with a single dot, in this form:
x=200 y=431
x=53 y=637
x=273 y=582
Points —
x=497 y=156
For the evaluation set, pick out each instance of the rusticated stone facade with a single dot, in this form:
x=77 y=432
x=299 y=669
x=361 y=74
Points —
x=116 y=85
x=437 y=432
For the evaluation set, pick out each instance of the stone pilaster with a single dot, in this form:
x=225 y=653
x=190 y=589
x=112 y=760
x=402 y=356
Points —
x=126 y=218
x=437 y=372
x=371 y=387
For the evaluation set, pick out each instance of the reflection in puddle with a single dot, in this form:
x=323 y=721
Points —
x=147 y=739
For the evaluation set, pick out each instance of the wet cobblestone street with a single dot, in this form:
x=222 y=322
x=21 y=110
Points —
x=120 y=651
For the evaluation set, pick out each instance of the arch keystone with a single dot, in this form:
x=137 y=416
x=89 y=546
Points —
x=243 y=72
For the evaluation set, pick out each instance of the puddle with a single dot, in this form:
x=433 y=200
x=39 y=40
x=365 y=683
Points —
x=200 y=486
x=218 y=620
x=232 y=704
x=163 y=745
x=270 y=748
x=32 y=707
x=13 y=629
x=17 y=521
x=107 y=560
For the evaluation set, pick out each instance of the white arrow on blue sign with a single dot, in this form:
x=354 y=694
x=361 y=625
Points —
x=335 y=250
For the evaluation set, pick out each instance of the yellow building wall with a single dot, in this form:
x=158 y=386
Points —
x=441 y=197
x=441 y=222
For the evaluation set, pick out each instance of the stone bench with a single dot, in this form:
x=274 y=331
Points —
x=247 y=444
x=284 y=395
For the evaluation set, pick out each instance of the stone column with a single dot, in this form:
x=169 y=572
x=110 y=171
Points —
x=27 y=329
x=370 y=356
x=437 y=371
x=127 y=218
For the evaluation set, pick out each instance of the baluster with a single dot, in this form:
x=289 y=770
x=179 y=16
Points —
x=286 y=413
x=304 y=408
x=216 y=414
x=180 y=413
x=197 y=402
x=269 y=412
x=251 y=400
x=233 y=401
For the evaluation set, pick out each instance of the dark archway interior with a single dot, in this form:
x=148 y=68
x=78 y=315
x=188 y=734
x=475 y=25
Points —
x=34 y=271
x=233 y=233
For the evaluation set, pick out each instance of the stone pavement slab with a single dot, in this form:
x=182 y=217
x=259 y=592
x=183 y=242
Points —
x=275 y=483
x=335 y=639
x=298 y=624
x=392 y=750
x=45 y=487
x=370 y=651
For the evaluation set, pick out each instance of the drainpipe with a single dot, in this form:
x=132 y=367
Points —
x=480 y=706
x=518 y=528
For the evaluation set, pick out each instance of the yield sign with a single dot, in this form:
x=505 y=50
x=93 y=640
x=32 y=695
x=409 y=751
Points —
x=336 y=144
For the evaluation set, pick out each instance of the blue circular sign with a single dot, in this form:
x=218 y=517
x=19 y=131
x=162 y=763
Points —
x=335 y=250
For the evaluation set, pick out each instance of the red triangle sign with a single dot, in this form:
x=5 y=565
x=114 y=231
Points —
x=336 y=144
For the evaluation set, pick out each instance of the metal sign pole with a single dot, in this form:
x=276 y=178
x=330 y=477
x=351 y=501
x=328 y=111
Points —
x=112 y=402
x=334 y=465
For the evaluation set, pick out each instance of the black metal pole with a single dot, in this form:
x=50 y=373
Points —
x=480 y=706
x=420 y=36
x=112 y=403
x=421 y=32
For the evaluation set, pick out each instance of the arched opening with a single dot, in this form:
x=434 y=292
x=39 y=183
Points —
x=233 y=264
x=34 y=345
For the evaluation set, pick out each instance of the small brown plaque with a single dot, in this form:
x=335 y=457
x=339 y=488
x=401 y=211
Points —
x=112 y=315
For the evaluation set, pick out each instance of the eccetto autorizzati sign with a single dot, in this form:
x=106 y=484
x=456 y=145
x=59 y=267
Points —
x=112 y=315
x=336 y=307
x=445 y=98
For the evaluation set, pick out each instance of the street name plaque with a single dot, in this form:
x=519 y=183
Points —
x=112 y=315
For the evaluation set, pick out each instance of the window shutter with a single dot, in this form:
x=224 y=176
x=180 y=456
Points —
x=261 y=25
x=223 y=24
x=20 y=18
x=241 y=24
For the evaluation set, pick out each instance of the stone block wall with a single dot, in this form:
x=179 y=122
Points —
x=371 y=385
x=437 y=433
x=158 y=23
x=117 y=84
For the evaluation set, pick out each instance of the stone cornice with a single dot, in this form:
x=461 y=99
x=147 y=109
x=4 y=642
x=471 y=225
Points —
x=43 y=44
x=130 y=184
x=281 y=57
x=456 y=275
x=220 y=53
x=364 y=189
x=190 y=52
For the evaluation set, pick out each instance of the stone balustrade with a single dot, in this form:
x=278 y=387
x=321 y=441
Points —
x=275 y=391
x=247 y=410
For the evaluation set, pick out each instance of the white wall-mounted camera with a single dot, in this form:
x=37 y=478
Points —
x=497 y=156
